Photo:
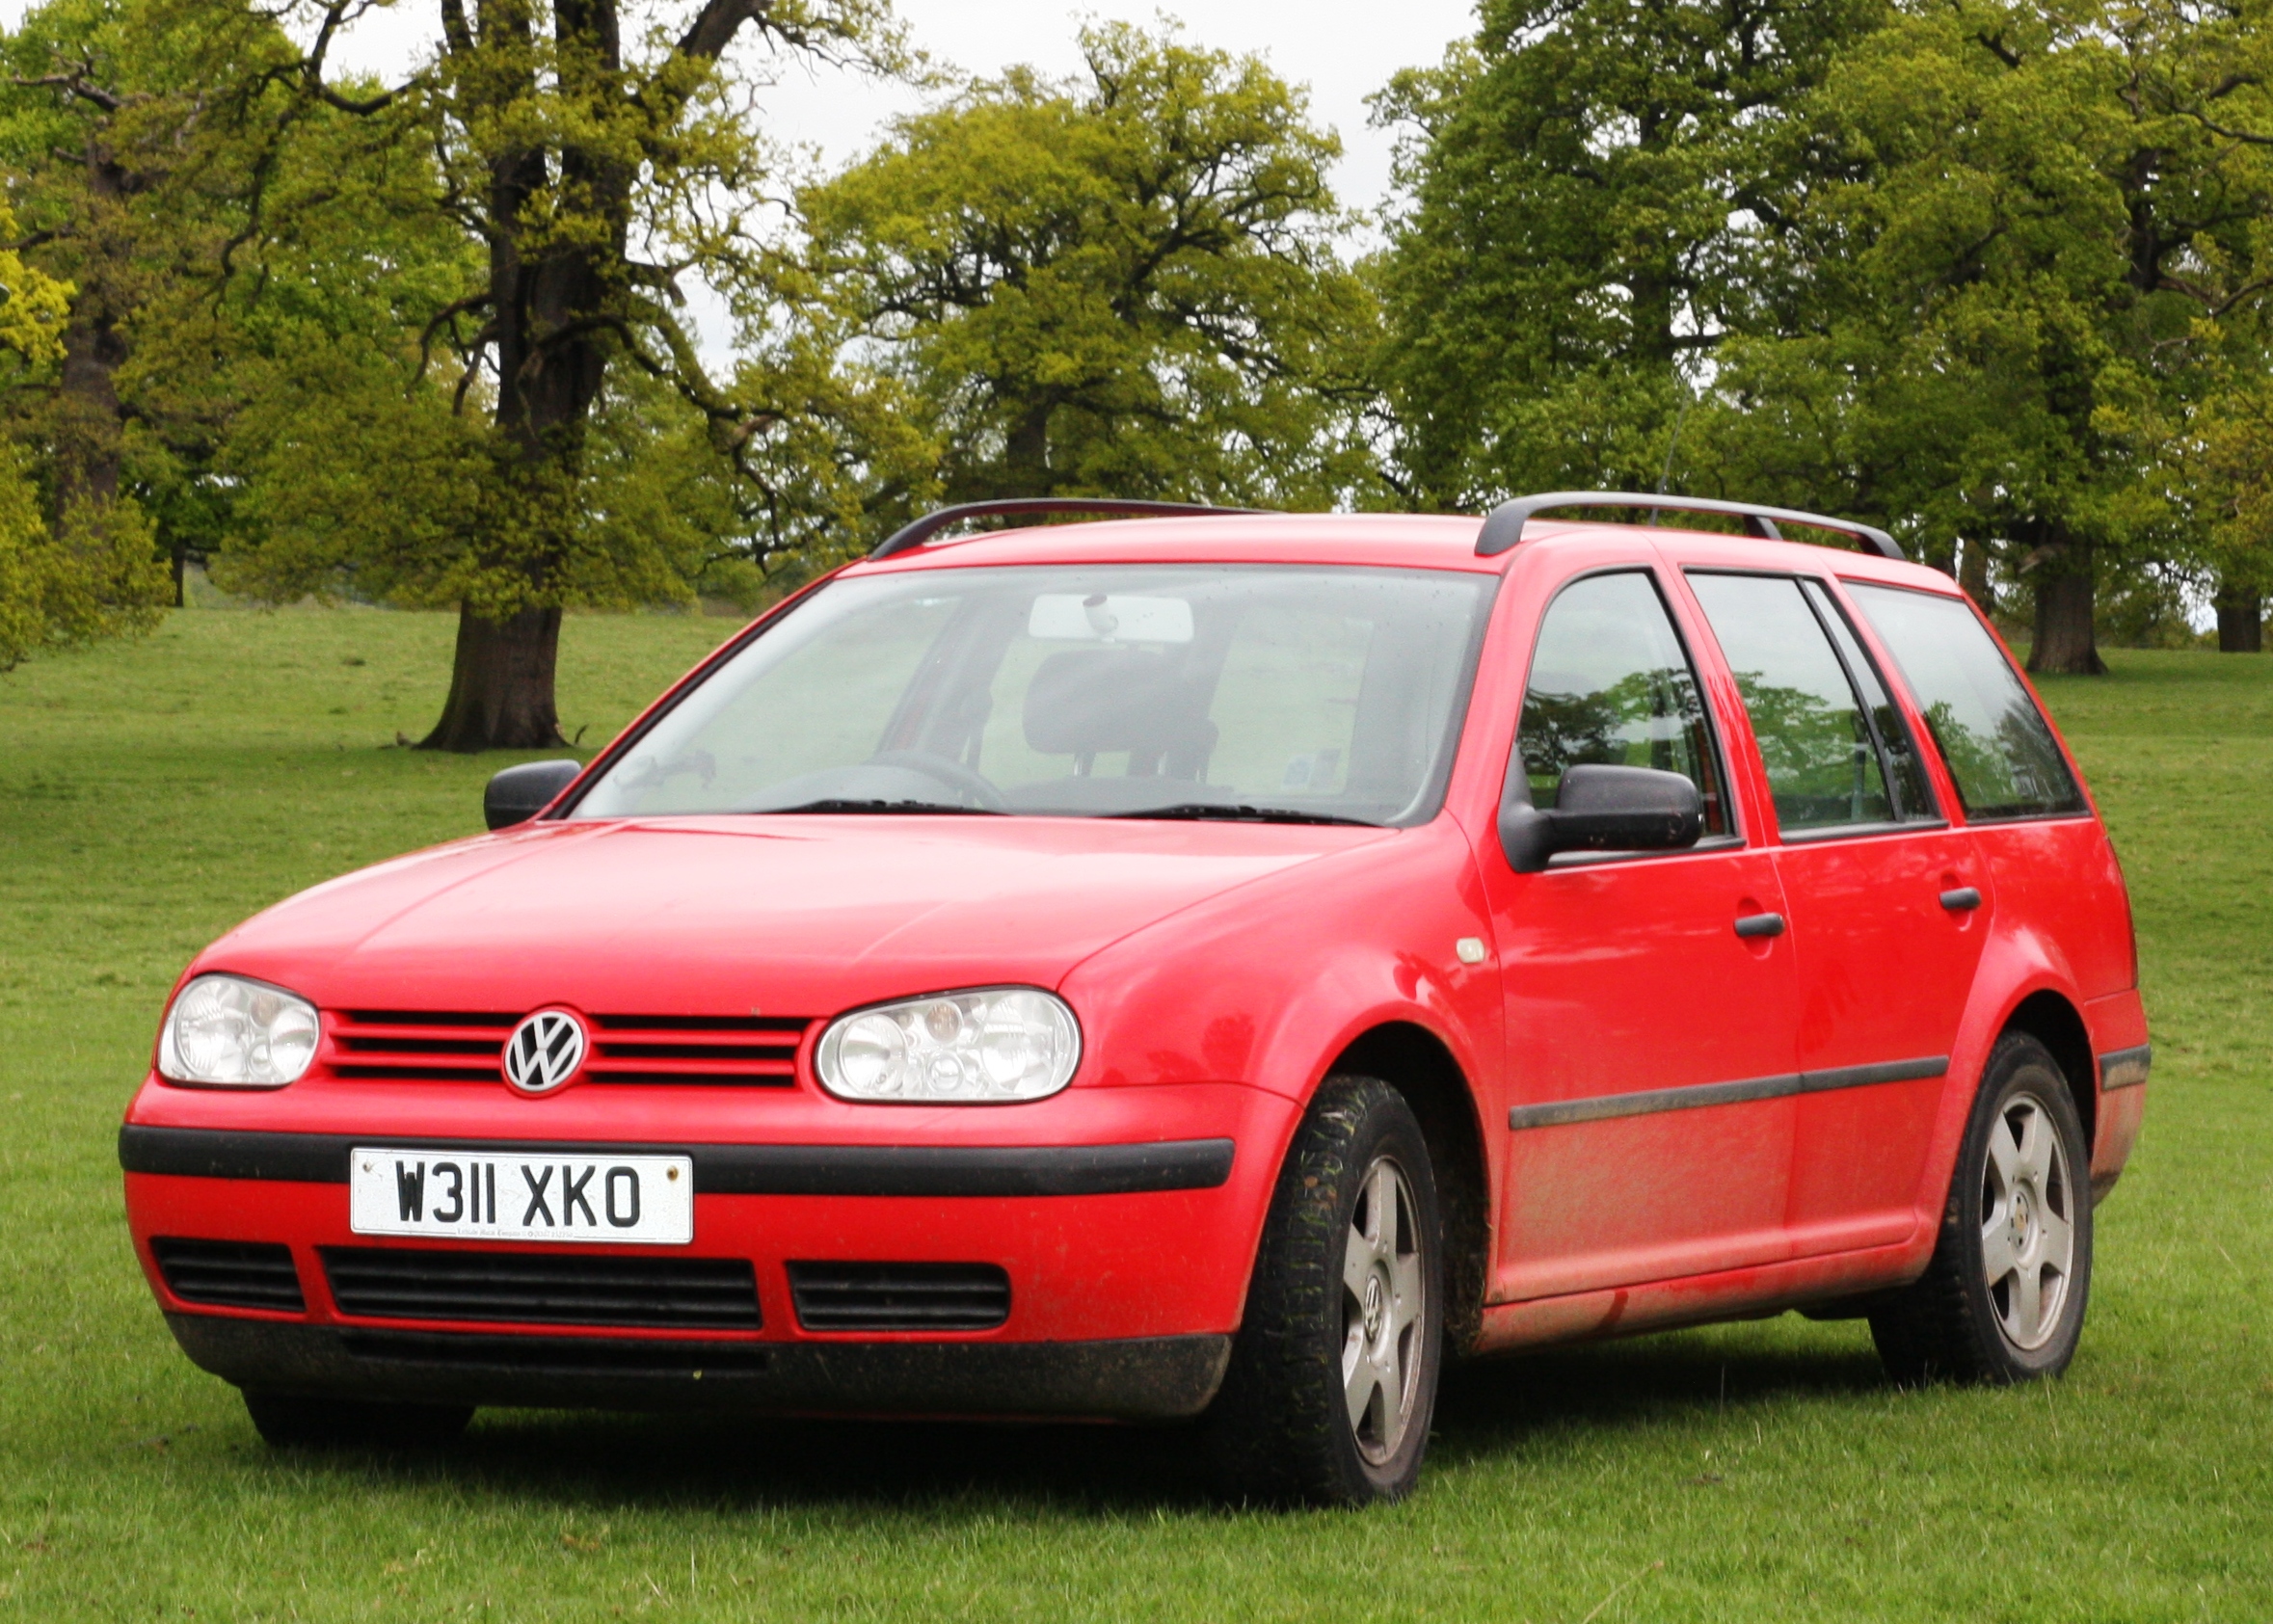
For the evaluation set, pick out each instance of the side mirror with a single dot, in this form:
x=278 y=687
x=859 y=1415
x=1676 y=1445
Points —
x=519 y=793
x=1600 y=808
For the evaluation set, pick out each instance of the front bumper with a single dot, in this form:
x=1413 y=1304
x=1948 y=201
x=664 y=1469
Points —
x=1142 y=1379
x=1126 y=1222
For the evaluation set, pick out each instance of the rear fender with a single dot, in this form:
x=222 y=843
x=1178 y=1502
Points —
x=2017 y=964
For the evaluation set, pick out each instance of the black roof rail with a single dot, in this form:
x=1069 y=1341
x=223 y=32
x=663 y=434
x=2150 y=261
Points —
x=914 y=535
x=1503 y=527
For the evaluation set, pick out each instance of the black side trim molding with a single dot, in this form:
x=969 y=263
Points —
x=1556 y=1112
x=2126 y=1068
x=951 y=1170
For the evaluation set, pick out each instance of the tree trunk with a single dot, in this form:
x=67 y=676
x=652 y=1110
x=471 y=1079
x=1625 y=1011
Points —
x=2064 y=645
x=89 y=434
x=1973 y=574
x=501 y=685
x=2241 y=623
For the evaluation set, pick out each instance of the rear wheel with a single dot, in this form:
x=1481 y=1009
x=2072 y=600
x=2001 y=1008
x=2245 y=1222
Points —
x=289 y=1421
x=2003 y=1299
x=1332 y=1381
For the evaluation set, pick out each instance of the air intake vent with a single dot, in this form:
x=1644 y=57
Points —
x=544 y=1287
x=451 y=1046
x=899 y=1296
x=229 y=1273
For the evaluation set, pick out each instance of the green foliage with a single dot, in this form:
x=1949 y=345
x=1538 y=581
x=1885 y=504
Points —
x=1124 y=284
x=105 y=580
x=101 y=578
x=1595 y=190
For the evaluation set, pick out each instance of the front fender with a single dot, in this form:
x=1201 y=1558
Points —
x=1268 y=985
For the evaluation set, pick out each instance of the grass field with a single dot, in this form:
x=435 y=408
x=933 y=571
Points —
x=151 y=795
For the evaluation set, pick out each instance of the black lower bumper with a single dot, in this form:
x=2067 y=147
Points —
x=1147 y=1378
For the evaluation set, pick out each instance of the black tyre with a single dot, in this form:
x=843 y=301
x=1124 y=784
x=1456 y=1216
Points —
x=2003 y=1299
x=1332 y=1382
x=288 y=1421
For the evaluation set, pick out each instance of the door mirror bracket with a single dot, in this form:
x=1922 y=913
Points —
x=1603 y=807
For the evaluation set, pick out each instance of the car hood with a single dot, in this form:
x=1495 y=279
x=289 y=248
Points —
x=785 y=916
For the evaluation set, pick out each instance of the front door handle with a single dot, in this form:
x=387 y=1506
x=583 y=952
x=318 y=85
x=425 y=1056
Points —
x=1960 y=899
x=1759 y=925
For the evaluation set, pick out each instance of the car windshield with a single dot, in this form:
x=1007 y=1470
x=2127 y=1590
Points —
x=1266 y=692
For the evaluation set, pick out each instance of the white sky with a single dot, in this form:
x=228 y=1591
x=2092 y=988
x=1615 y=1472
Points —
x=1342 y=50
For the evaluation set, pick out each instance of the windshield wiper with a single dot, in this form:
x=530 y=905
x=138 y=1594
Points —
x=1197 y=810
x=843 y=805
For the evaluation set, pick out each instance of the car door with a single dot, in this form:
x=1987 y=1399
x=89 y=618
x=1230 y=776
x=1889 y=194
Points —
x=1650 y=1008
x=1887 y=904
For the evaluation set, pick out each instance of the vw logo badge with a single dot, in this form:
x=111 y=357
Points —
x=544 y=1052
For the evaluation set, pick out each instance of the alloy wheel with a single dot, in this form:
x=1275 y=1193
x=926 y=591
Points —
x=1384 y=1289
x=2027 y=1222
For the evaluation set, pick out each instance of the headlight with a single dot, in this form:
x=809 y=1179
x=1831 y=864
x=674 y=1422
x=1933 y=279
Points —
x=977 y=1048
x=237 y=1034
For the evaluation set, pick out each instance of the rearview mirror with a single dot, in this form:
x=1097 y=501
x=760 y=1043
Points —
x=1601 y=808
x=519 y=793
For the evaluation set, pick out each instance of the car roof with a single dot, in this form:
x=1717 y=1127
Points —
x=1412 y=541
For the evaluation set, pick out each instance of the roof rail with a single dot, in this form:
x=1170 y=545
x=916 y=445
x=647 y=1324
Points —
x=1503 y=528
x=932 y=523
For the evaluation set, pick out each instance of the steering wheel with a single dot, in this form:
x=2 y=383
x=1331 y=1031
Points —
x=949 y=771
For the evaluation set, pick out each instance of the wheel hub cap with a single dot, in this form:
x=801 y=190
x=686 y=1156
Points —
x=1382 y=1301
x=2028 y=1223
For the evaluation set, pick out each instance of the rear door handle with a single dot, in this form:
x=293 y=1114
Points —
x=1760 y=924
x=1961 y=898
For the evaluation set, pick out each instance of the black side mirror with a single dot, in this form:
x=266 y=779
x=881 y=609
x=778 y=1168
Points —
x=519 y=793
x=1600 y=808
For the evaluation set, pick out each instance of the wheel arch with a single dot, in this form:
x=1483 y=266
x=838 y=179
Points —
x=2053 y=1021
x=1415 y=1062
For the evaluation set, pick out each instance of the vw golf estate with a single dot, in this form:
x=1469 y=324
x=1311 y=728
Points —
x=1187 y=966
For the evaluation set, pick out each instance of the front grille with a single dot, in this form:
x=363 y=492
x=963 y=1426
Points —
x=899 y=1296
x=540 y=1287
x=229 y=1273
x=453 y=1045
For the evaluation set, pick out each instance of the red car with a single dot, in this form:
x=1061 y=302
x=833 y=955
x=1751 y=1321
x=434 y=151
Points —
x=1208 y=966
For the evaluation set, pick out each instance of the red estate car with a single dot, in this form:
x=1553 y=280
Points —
x=1205 y=966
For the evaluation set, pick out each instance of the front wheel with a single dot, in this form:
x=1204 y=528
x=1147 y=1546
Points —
x=2003 y=1299
x=1332 y=1380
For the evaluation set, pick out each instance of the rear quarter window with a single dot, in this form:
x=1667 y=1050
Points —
x=1999 y=749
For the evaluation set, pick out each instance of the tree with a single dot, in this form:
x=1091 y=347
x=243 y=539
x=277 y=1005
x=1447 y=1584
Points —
x=101 y=577
x=1594 y=189
x=1124 y=284
x=593 y=170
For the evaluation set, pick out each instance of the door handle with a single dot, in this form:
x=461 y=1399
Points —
x=1961 y=898
x=1760 y=924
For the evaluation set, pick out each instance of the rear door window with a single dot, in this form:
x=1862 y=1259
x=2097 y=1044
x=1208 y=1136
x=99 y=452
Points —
x=1819 y=713
x=2000 y=751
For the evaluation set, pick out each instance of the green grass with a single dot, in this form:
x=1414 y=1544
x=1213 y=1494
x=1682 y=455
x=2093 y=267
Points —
x=151 y=795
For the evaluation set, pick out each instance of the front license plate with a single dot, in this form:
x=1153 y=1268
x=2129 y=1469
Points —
x=482 y=1196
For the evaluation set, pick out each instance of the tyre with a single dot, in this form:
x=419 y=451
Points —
x=1332 y=1380
x=2003 y=1299
x=288 y=1421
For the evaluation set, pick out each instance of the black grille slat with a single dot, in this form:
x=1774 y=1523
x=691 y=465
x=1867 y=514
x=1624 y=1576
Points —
x=870 y=1296
x=430 y=1018
x=355 y=1043
x=790 y=1024
x=693 y=1079
x=619 y=1049
x=230 y=1273
x=656 y=1293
